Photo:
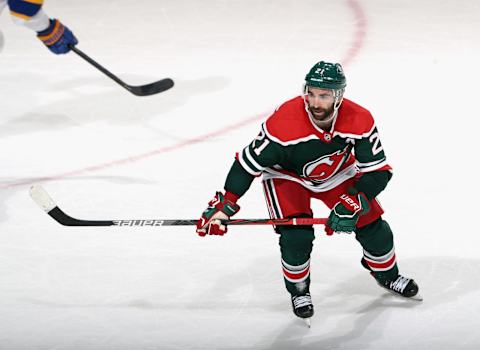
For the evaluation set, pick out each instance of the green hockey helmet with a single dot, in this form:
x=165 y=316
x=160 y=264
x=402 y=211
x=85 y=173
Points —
x=325 y=75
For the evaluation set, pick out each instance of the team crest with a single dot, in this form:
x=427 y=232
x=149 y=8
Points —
x=325 y=167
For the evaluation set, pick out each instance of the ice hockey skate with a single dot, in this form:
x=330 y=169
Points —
x=402 y=286
x=303 y=307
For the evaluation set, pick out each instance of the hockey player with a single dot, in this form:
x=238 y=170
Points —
x=51 y=32
x=323 y=146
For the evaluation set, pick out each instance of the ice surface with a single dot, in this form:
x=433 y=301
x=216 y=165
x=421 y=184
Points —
x=103 y=153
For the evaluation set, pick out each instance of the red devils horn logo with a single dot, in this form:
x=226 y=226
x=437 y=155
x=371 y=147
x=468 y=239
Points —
x=325 y=167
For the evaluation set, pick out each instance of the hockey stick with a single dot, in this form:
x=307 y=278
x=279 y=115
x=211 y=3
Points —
x=141 y=90
x=43 y=199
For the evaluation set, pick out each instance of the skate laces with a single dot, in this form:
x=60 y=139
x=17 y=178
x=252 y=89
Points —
x=399 y=284
x=302 y=300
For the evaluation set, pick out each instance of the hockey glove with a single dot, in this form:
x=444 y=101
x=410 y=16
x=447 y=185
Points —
x=345 y=214
x=57 y=37
x=219 y=208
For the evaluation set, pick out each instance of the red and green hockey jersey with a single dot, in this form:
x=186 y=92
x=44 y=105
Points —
x=292 y=147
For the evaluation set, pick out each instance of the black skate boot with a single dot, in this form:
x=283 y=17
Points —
x=400 y=286
x=303 y=307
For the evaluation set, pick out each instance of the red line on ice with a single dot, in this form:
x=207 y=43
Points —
x=357 y=43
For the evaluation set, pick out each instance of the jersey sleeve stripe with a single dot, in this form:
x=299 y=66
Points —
x=375 y=162
x=20 y=16
x=246 y=166
x=38 y=2
x=23 y=9
x=37 y=23
x=373 y=166
x=257 y=166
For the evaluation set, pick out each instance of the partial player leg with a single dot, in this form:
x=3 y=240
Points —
x=376 y=239
x=289 y=199
x=296 y=247
x=379 y=258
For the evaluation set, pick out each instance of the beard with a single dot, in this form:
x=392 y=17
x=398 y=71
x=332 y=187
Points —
x=321 y=114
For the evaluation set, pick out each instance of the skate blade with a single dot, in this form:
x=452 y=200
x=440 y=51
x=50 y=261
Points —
x=307 y=322
x=417 y=297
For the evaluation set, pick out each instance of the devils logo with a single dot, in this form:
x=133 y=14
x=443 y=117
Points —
x=325 y=167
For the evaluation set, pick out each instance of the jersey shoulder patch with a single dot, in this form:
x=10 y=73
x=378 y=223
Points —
x=353 y=120
x=290 y=124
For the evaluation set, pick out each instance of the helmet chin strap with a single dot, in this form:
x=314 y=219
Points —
x=337 y=103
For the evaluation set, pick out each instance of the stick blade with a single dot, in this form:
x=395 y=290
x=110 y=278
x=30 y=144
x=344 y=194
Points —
x=44 y=201
x=42 y=198
x=153 y=88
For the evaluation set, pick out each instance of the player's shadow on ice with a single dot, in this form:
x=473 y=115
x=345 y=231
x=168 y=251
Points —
x=353 y=304
x=442 y=280
x=81 y=102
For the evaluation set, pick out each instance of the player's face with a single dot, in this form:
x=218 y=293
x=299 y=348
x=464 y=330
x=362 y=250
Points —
x=320 y=102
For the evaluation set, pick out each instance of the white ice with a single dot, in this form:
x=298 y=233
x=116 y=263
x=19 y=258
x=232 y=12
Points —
x=103 y=153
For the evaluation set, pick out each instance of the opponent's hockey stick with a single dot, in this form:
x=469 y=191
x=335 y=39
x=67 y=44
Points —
x=43 y=199
x=141 y=90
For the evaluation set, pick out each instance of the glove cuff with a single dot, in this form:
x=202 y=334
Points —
x=49 y=29
x=229 y=208
x=232 y=197
x=223 y=204
x=53 y=33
